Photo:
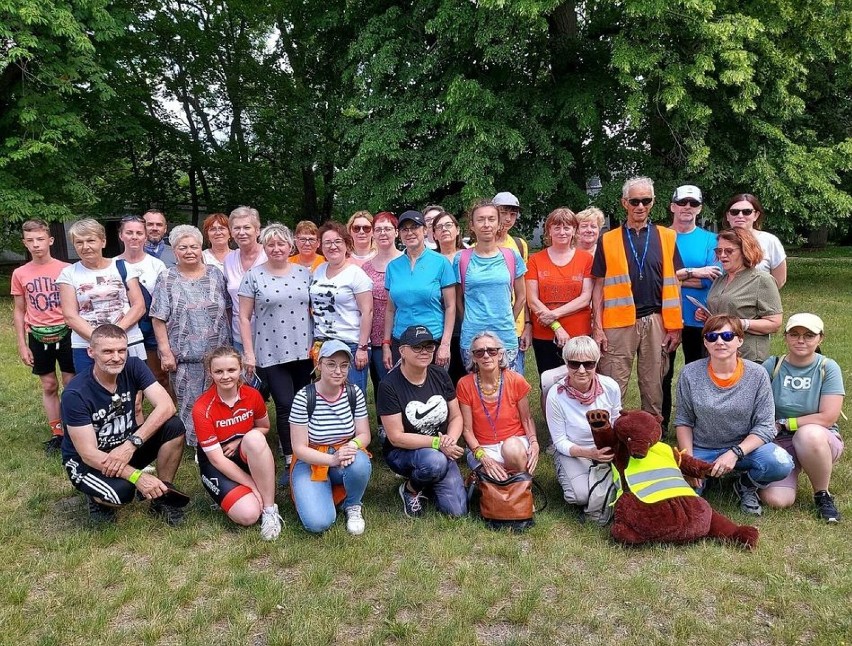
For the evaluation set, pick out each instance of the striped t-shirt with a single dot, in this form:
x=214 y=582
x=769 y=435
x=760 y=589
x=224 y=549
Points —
x=332 y=421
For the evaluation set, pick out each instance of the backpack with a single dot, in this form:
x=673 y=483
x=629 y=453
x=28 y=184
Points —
x=311 y=397
x=145 y=324
x=522 y=247
x=600 y=507
x=508 y=256
x=780 y=360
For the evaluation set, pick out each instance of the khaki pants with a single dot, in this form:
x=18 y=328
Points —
x=643 y=340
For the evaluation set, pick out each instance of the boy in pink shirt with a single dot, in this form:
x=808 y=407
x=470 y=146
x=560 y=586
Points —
x=43 y=338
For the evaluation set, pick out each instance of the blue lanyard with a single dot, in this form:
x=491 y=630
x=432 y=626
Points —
x=491 y=422
x=640 y=263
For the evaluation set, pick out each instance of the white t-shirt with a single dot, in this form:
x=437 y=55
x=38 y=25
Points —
x=773 y=250
x=210 y=259
x=101 y=298
x=333 y=305
x=146 y=270
x=566 y=417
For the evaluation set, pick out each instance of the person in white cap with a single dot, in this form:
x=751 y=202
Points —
x=696 y=247
x=808 y=392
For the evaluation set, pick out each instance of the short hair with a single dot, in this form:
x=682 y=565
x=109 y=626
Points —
x=751 y=199
x=306 y=226
x=502 y=364
x=444 y=214
x=431 y=207
x=718 y=321
x=127 y=219
x=36 y=224
x=359 y=214
x=218 y=353
x=340 y=230
x=748 y=244
x=87 y=227
x=636 y=181
x=476 y=205
x=107 y=331
x=591 y=213
x=581 y=348
x=182 y=231
x=153 y=212
x=386 y=216
x=210 y=220
x=242 y=212
x=276 y=231
x=562 y=215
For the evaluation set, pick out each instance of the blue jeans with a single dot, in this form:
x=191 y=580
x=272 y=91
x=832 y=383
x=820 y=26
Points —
x=313 y=499
x=377 y=366
x=764 y=465
x=359 y=377
x=432 y=473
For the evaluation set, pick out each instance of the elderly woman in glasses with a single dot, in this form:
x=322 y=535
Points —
x=744 y=211
x=744 y=292
x=581 y=390
x=497 y=424
x=217 y=233
x=307 y=243
x=726 y=415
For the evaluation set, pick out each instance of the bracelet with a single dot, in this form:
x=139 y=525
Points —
x=688 y=273
x=479 y=453
x=386 y=342
x=746 y=324
x=737 y=450
x=134 y=477
x=363 y=348
x=358 y=443
x=436 y=443
x=556 y=325
x=793 y=424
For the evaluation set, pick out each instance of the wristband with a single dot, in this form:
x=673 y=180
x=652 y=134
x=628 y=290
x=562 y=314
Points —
x=436 y=443
x=358 y=443
x=479 y=453
x=737 y=450
x=556 y=325
x=386 y=342
x=134 y=477
x=746 y=324
x=793 y=424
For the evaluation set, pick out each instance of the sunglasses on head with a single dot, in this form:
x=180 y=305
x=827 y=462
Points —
x=727 y=336
x=362 y=228
x=636 y=201
x=736 y=212
x=481 y=352
x=133 y=218
x=575 y=365
x=688 y=202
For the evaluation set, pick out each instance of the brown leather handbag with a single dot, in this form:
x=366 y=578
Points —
x=506 y=504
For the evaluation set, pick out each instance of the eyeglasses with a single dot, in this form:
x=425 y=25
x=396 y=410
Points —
x=423 y=348
x=481 y=352
x=727 y=251
x=807 y=336
x=636 y=201
x=306 y=240
x=333 y=367
x=218 y=228
x=688 y=202
x=334 y=243
x=727 y=336
x=445 y=226
x=383 y=230
x=588 y=365
x=736 y=212
x=562 y=227
x=362 y=228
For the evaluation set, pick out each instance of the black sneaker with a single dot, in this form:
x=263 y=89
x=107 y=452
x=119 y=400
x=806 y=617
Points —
x=53 y=446
x=746 y=491
x=412 y=503
x=99 y=513
x=172 y=515
x=825 y=506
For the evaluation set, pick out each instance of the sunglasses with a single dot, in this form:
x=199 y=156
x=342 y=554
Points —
x=736 y=212
x=719 y=251
x=481 y=352
x=688 y=202
x=423 y=348
x=588 y=365
x=727 y=336
x=636 y=201
x=362 y=228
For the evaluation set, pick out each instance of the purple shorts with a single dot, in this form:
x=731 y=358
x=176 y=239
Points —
x=835 y=443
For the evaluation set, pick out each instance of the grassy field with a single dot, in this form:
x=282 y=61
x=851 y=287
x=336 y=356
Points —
x=433 y=581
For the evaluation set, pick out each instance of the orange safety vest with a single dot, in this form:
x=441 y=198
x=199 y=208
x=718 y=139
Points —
x=619 y=310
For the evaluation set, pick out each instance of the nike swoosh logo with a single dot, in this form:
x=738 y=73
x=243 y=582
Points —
x=420 y=415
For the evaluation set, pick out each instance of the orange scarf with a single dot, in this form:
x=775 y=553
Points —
x=730 y=381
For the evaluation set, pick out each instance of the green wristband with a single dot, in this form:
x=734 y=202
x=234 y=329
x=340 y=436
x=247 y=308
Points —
x=436 y=443
x=793 y=424
x=134 y=477
x=479 y=453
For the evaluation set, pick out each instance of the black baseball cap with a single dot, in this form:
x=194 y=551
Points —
x=416 y=335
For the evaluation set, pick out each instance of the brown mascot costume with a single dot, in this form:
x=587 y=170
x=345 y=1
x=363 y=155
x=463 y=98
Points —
x=655 y=504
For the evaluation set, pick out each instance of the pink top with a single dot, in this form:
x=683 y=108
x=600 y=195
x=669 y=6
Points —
x=233 y=279
x=380 y=302
x=37 y=284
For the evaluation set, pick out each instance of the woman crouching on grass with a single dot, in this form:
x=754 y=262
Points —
x=330 y=432
x=236 y=464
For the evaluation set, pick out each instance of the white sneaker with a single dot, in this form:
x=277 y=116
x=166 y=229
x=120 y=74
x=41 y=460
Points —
x=270 y=524
x=354 y=520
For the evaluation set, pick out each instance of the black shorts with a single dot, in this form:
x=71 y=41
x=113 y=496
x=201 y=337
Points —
x=224 y=491
x=118 y=491
x=45 y=357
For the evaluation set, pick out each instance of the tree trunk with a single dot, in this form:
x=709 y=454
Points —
x=818 y=237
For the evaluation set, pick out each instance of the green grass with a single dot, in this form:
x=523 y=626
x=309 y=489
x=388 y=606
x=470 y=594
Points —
x=434 y=581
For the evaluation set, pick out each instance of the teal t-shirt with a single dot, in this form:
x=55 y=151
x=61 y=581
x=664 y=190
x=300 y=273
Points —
x=417 y=293
x=797 y=390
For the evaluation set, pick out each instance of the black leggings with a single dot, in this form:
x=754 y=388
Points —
x=284 y=381
x=692 y=343
x=548 y=355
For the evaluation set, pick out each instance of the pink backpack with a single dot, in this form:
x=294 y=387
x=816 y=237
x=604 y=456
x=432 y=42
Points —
x=508 y=256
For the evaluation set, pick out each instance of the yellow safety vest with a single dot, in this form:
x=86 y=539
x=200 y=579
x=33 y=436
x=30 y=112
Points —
x=655 y=477
x=619 y=310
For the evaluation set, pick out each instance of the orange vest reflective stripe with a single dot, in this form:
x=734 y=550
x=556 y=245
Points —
x=619 y=310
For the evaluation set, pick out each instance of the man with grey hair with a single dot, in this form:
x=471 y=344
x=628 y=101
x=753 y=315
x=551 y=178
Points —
x=636 y=298
x=156 y=228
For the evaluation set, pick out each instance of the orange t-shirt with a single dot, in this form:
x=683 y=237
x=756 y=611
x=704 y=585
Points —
x=558 y=285
x=318 y=260
x=508 y=422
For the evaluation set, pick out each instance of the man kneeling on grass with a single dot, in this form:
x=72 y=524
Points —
x=104 y=450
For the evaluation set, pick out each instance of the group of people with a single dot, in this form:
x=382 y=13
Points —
x=441 y=328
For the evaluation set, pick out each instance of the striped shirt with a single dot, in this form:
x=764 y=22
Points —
x=332 y=421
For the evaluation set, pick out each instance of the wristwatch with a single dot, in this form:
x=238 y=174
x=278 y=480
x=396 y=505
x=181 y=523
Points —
x=135 y=440
x=782 y=423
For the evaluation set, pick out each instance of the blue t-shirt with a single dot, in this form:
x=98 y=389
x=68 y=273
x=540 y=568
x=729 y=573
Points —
x=696 y=249
x=797 y=391
x=85 y=402
x=488 y=297
x=416 y=293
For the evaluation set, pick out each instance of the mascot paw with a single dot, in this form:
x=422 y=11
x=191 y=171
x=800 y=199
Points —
x=747 y=536
x=598 y=419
